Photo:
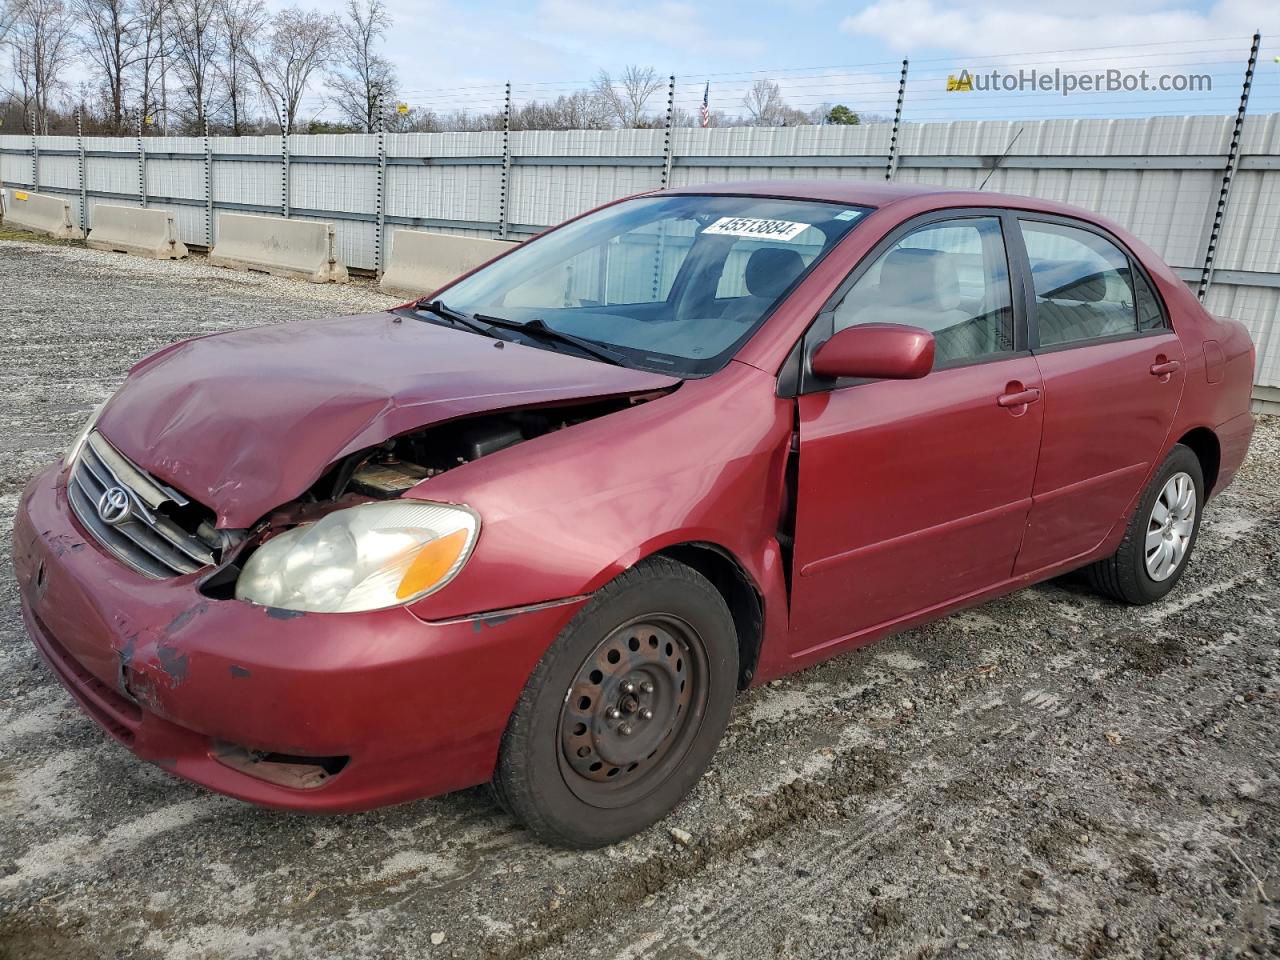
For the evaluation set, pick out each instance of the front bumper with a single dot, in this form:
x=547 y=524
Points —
x=418 y=708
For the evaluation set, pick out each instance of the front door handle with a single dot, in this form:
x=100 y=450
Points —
x=1162 y=368
x=1019 y=398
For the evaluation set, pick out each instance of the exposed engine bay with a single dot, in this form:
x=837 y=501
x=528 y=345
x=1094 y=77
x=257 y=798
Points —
x=388 y=470
x=400 y=463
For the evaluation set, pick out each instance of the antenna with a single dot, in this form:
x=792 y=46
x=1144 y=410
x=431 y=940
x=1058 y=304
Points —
x=1000 y=159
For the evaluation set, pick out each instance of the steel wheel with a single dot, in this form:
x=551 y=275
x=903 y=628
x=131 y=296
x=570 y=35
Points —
x=1170 y=527
x=633 y=710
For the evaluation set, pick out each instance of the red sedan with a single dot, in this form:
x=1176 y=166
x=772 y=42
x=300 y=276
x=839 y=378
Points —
x=540 y=529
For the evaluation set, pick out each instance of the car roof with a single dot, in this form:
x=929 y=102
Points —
x=881 y=193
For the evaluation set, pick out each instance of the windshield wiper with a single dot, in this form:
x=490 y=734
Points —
x=537 y=327
x=474 y=324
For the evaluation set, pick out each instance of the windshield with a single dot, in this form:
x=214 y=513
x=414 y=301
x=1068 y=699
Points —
x=674 y=283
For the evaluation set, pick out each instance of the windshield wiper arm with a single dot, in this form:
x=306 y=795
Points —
x=474 y=324
x=537 y=327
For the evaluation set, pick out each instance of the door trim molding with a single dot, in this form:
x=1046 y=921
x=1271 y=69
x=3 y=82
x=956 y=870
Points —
x=960 y=523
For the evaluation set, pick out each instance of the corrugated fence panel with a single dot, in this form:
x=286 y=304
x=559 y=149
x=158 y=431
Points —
x=445 y=191
x=544 y=194
x=1258 y=308
x=15 y=167
x=1157 y=176
x=342 y=185
x=1167 y=208
x=116 y=173
x=257 y=182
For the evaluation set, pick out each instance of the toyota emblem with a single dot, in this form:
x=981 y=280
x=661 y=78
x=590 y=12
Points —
x=114 y=506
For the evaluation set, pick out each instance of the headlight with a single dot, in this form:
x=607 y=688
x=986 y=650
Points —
x=73 y=451
x=363 y=558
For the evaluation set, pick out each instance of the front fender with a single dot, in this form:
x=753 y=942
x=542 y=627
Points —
x=564 y=513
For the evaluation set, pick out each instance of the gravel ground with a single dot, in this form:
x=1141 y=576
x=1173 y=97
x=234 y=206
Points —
x=1046 y=776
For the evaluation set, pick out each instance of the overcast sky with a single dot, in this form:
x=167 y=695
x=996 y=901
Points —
x=452 y=54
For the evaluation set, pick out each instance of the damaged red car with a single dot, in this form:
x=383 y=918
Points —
x=539 y=529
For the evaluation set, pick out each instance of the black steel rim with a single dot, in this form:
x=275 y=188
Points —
x=633 y=710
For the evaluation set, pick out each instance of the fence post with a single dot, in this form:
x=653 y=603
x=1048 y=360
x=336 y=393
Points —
x=892 y=167
x=506 y=166
x=284 y=157
x=208 y=188
x=1233 y=158
x=142 y=163
x=84 y=193
x=667 y=145
x=35 y=156
x=379 y=257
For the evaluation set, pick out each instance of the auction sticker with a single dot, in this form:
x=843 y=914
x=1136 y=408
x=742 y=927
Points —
x=756 y=228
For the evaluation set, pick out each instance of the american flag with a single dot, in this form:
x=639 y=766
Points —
x=705 y=110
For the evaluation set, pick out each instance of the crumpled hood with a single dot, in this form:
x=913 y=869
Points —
x=249 y=420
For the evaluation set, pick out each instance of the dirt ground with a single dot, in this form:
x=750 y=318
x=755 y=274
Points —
x=1049 y=775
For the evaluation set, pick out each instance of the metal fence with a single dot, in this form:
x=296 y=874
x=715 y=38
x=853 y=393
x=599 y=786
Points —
x=1201 y=190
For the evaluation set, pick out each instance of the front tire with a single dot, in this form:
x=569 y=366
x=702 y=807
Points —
x=1160 y=536
x=624 y=711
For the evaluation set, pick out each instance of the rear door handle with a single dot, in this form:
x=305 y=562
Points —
x=1164 y=368
x=1019 y=399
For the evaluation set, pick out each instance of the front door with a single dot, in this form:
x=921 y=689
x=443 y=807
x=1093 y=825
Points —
x=1113 y=373
x=915 y=493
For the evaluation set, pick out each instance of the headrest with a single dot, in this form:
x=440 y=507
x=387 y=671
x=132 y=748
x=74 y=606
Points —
x=921 y=279
x=770 y=270
x=1069 y=280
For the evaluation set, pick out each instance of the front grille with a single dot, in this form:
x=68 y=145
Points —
x=157 y=536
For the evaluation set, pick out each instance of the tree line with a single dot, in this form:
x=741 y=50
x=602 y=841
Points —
x=183 y=66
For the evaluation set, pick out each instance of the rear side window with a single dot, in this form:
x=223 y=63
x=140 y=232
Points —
x=1150 y=314
x=1083 y=284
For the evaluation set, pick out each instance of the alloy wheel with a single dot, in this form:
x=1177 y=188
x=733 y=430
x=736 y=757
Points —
x=1170 y=526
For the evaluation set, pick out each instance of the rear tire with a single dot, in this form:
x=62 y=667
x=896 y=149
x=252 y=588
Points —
x=1160 y=536
x=623 y=713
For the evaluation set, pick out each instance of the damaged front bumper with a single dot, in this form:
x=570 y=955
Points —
x=316 y=712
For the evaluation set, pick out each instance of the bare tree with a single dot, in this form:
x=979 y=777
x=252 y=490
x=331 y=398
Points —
x=580 y=110
x=300 y=43
x=241 y=22
x=155 y=48
x=109 y=39
x=626 y=98
x=415 y=120
x=362 y=76
x=764 y=104
x=197 y=40
x=42 y=36
x=9 y=13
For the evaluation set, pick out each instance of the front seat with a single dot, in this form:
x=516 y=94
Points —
x=920 y=288
x=769 y=272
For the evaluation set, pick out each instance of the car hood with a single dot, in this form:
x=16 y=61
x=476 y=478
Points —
x=248 y=420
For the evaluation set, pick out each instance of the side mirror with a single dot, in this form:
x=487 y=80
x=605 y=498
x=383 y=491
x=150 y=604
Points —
x=876 y=351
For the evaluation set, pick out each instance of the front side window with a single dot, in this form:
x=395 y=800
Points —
x=673 y=283
x=1084 y=287
x=950 y=278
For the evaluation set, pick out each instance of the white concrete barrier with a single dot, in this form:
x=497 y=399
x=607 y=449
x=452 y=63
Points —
x=422 y=263
x=136 y=230
x=40 y=213
x=303 y=249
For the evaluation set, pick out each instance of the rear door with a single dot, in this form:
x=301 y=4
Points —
x=1113 y=372
x=913 y=493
